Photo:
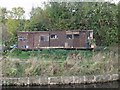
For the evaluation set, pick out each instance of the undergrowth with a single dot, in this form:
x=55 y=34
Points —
x=60 y=63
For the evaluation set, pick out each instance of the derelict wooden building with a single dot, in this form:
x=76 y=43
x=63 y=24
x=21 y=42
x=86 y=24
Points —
x=54 y=39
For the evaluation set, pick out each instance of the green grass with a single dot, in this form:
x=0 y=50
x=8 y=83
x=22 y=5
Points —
x=51 y=54
x=47 y=63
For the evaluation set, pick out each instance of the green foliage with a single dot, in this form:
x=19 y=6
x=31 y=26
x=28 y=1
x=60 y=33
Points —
x=103 y=18
x=12 y=26
x=50 y=54
x=13 y=21
x=100 y=17
x=20 y=54
x=118 y=17
x=100 y=63
x=2 y=15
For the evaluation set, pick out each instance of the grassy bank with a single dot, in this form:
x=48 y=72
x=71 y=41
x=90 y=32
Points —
x=50 y=54
x=60 y=63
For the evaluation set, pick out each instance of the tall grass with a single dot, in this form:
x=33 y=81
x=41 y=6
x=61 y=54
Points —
x=62 y=63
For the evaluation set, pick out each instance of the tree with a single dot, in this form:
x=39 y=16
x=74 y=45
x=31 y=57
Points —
x=14 y=22
x=98 y=16
x=2 y=15
x=17 y=13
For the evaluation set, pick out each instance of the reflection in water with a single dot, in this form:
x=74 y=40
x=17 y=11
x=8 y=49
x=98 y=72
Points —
x=115 y=84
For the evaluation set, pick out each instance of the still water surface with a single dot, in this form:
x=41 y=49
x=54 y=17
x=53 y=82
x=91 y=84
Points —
x=115 y=84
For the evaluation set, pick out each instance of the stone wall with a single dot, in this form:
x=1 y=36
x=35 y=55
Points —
x=60 y=80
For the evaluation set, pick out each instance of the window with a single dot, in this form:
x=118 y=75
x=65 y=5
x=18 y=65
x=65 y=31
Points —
x=21 y=38
x=69 y=36
x=44 y=38
x=91 y=35
x=53 y=36
x=25 y=46
x=76 y=35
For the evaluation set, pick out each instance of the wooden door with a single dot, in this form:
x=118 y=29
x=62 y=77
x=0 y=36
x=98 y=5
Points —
x=30 y=41
x=83 y=39
x=44 y=40
x=76 y=40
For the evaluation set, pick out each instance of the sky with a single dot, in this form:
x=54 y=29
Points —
x=27 y=4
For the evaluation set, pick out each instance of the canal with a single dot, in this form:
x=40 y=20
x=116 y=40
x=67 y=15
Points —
x=114 y=84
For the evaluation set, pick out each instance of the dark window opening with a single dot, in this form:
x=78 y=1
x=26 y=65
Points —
x=54 y=36
x=76 y=35
x=25 y=46
x=69 y=36
x=21 y=38
x=44 y=38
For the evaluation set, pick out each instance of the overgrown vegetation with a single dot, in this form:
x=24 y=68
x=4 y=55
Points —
x=62 y=64
x=100 y=17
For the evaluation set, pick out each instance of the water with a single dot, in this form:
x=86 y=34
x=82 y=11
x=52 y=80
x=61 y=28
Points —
x=115 y=84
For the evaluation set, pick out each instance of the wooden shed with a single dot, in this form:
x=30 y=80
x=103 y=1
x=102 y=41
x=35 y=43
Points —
x=54 y=39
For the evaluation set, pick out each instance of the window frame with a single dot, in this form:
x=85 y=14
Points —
x=54 y=37
x=21 y=38
x=44 y=38
x=76 y=35
x=68 y=37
